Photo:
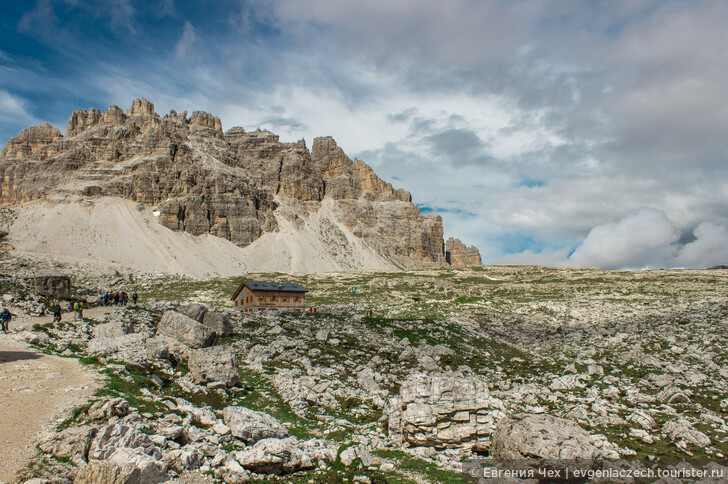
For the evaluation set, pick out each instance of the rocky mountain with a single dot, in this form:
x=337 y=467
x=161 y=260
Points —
x=458 y=254
x=234 y=185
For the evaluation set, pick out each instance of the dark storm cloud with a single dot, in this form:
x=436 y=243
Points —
x=455 y=144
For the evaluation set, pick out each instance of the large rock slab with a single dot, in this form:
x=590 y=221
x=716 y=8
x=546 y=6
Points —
x=106 y=472
x=447 y=410
x=194 y=311
x=72 y=443
x=251 y=426
x=186 y=330
x=133 y=348
x=124 y=466
x=216 y=363
x=274 y=456
x=219 y=322
x=116 y=436
x=151 y=470
x=52 y=284
x=680 y=430
x=113 y=329
x=526 y=436
x=107 y=408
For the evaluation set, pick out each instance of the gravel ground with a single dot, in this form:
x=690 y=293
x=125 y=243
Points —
x=36 y=391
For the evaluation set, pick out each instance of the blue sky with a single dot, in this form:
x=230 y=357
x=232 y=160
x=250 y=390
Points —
x=557 y=132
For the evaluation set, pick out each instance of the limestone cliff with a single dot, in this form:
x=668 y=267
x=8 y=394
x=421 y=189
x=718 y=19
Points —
x=234 y=185
x=458 y=254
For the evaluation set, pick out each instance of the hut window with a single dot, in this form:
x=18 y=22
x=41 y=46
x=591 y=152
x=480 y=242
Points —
x=284 y=298
x=272 y=298
x=296 y=298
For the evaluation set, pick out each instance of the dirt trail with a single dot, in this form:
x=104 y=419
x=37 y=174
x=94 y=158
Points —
x=36 y=392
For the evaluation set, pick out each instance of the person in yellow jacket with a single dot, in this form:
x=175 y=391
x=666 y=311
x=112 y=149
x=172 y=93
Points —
x=78 y=307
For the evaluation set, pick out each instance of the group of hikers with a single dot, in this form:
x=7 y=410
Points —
x=107 y=299
x=76 y=306
x=118 y=298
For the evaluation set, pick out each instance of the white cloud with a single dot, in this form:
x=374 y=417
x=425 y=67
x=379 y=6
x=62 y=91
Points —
x=42 y=16
x=642 y=239
x=122 y=15
x=186 y=40
x=12 y=109
x=710 y=247
x=645 y=239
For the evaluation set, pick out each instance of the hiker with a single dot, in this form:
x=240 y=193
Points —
x=57 y=313
x=116 y=299
x=124 y=298
x=5 y=318
x=134 y=297
x=78 y=307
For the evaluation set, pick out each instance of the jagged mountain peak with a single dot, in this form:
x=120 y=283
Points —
x=235 y=185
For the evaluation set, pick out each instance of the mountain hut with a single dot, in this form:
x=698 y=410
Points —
x=259 y=296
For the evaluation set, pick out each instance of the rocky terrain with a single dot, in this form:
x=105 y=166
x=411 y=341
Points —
x=312 y=210
x=495 y=362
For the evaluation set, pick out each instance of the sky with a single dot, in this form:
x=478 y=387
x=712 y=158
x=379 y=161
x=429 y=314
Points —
x=553 y=132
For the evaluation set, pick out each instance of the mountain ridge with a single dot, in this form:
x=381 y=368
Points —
x=235 y=185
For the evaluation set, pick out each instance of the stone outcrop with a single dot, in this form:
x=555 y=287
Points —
x=107 y=472
x=33 y=141
x=219 y=323
x=133 y=348
x=448 y=410
x=186 y=330
x=108 y=408
x=113 y=329
x=251 y=426
x=215 y=364
x=116 y=436
x=124 y=466
x=52 y=284
x=232 y=185
x=680 y=430
x=72 y=443
x=215 y=320
x=526 y=436
x=274 y=456
x=194 y=311
x=458 y=254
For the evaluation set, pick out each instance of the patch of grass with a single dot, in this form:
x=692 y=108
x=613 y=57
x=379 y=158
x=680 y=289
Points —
x=43 y=328
x=211 y=398
x=260 y=394
x=338 y=435
x=232 y=446
x=420 y=467
x=468 y=300
x=349 y=403
x=129 y=388
x=75 y=416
